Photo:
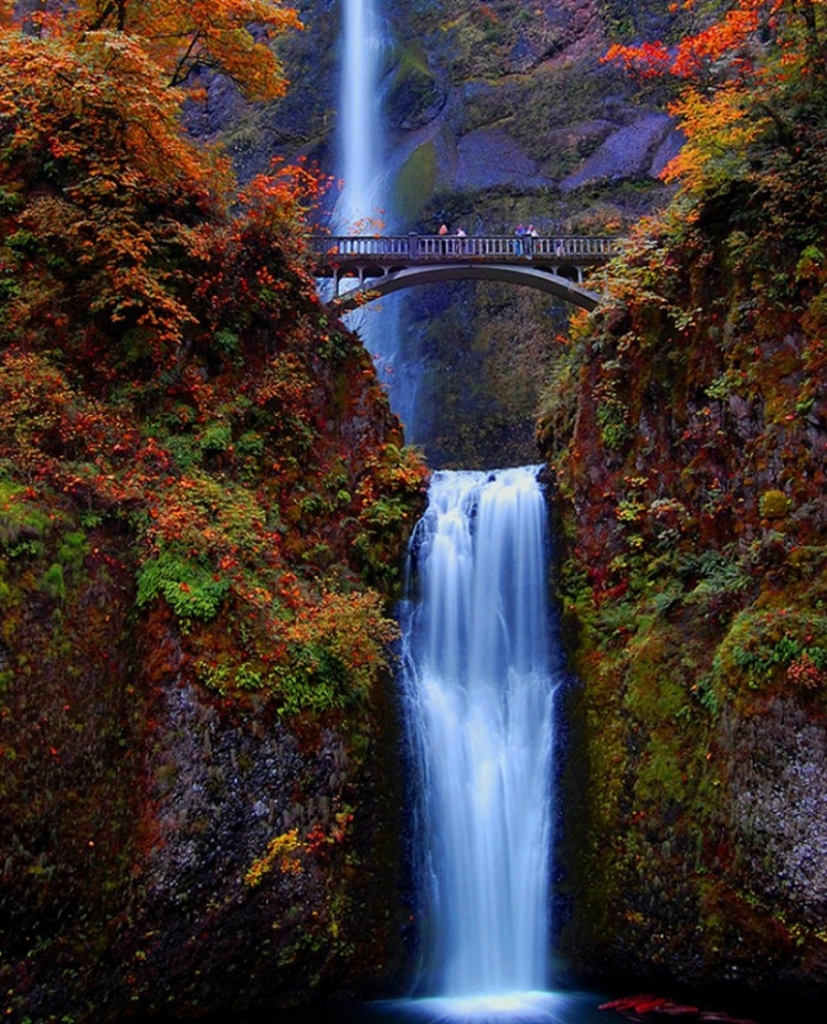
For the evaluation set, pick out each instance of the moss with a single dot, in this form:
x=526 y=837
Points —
x=415 y=182
x=768 y=648
x=773 y=504
x=414 y=92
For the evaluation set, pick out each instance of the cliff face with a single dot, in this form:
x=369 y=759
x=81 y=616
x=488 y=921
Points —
x=178 y=814
x=688 y=425
x=204 y=501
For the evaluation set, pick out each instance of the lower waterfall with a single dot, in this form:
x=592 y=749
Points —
x=480 y=668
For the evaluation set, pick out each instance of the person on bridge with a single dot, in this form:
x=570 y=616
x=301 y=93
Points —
x=519 y=231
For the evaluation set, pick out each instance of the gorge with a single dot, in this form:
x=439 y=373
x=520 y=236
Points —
x=206 y=498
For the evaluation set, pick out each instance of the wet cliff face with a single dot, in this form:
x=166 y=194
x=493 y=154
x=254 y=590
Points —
x=204 y=501
x=182 y=831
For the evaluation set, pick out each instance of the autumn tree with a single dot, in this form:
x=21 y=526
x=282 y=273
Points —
x=229 y=37
x=184 y=36
x=751 y=99
x=103 y=197
x=752 y=80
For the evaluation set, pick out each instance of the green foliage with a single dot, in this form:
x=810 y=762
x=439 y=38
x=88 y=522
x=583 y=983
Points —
x=72 y=551
x=765 y=647
x=315 y=680
x=612 y=415
x=23 y=522
x=53 y=583
x=661 y=777
x=227 y=342
x=704 y=691
x=187 y=582
x=389 y=497
x=723 y=574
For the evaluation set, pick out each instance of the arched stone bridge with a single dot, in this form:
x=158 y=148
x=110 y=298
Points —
x=379 y=265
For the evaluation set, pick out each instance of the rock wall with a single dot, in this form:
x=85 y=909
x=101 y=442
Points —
x=686 y=429
x=173 y=845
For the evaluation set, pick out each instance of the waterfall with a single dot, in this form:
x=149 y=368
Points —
x=477 y=685
x=360 y=120
x=364 y=203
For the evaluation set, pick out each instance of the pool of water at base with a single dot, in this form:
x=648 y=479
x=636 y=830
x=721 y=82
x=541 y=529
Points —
x=556 y=1007
x=513 y=1008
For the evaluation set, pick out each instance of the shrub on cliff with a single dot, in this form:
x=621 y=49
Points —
x=203 y=496
x=691 y=465
x=165 y=357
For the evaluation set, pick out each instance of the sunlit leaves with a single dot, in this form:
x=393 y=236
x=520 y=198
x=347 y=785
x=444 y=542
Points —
x=752 y=83
x=716 y=52
x=220 y=436
x=183 y=36
x=718 y=134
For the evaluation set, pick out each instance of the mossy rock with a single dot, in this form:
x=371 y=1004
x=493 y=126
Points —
x=774 y=505
x=415 y=96
x=415 y=182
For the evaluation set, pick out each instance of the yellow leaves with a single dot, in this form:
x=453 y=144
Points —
x=227 y=36
x=284 y=852
x=718 y=129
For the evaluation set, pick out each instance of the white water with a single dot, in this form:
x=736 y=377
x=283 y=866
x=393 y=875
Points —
x=364 y=203
x=478 y=691
x=360 y=120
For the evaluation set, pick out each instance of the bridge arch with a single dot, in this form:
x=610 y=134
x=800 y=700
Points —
x=385 y=264
x=374 y=286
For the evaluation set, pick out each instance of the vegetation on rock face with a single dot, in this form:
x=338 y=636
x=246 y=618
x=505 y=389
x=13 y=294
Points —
x=688 y=428
x=202 y=492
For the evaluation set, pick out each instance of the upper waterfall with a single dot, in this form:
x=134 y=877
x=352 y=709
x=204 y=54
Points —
x=360 y=132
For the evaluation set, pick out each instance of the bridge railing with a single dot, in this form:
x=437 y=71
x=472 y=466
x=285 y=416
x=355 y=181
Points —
x=430 y=248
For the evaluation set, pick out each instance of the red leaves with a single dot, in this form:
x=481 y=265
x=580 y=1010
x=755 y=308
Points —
x=646 y=1004
x=649 y=60
x=718 y=49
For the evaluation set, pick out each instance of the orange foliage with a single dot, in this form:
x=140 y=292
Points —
x=734 y=72
x=184 y=36
x=718 y=48
x=111 y=214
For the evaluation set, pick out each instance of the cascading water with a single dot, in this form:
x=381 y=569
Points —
x=478 y=682
x=360 y=120
x=364 y=204
x=479 y=678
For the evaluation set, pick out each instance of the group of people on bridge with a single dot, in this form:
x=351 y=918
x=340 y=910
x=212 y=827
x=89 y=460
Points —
x=523 y=242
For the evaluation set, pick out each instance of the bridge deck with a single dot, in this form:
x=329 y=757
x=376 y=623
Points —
x=409 y=250
x=381 y=264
